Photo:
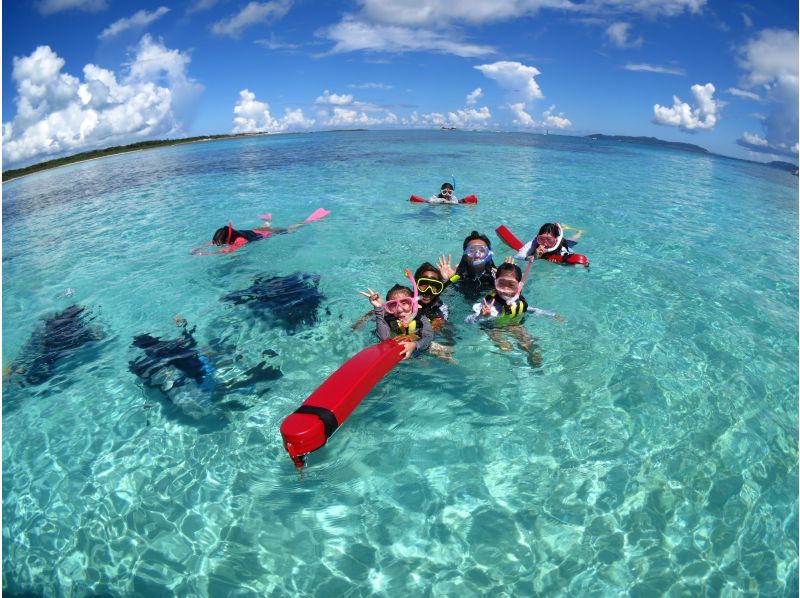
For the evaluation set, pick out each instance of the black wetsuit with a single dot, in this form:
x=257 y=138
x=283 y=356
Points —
x=473 y=284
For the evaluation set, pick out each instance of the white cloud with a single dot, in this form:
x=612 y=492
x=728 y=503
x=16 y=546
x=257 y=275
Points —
x=201 y=5
x=138 y=20
x=514 y=76
x=57 y=113
x=335 y=99
x=252 y=14
x=347 y=117
x=469 y=117
x=474 y=96
x=275 y=44
x=351 y=35
x=370 y=86
x=754 y=139
x=649 y=68
x=618 y=34
x=748 y=22
x=253 y=116
x=770 y=60
x=702 y=116
x=521 y=117
x=550 y=120
x=741 y=93
x=414 y=13
x=49 y=7
x=555 y=121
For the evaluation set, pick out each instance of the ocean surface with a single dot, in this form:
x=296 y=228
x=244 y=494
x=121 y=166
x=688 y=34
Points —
x=653 y=452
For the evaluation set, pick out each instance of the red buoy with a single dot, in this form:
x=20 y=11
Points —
x=310 y=426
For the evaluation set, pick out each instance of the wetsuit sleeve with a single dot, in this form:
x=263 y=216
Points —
x=382 y=329
x=425 y=335
x=525 y=251
x=569 y=243
x=540 y=312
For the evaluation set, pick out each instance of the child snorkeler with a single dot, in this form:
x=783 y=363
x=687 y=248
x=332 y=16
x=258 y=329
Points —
x=475 y=272
x=399 y=318
x=504 y=307
x=446 y=195
x=549 y=244
x=235 y=239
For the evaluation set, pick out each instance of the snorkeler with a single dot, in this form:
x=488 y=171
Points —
x=234 y=239
x=549 y=244
x=475 y=272
x=399 y=318
x=505 y=306
x=446 y=195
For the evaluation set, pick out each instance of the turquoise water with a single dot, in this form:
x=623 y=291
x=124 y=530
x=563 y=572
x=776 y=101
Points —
x=655 y=450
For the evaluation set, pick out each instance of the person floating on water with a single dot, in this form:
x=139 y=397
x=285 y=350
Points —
x=475 y=272
x=234 y=239
x=549 y=244
x=399 y=318
x=504 y=308
x=446 y=195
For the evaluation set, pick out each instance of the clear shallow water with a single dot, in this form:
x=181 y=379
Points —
x=655 y=451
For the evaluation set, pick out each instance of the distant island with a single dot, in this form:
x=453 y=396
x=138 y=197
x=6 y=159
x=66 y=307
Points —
x=687 y=147
x=135 y=147
x=787 y=166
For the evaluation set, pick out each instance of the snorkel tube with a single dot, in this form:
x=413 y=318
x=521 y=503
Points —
x=415 y=309
x=560 y=235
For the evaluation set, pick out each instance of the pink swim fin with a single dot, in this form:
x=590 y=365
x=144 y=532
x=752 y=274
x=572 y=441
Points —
x=317 y=214
x=265 y=217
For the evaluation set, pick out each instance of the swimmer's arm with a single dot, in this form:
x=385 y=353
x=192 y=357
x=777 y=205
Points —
x=543 y=312
x=382 y=329
x=523 y=252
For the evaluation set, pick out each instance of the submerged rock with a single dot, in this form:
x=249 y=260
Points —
x=292 y=301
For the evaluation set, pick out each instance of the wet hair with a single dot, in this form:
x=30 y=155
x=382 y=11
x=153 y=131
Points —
x=476 y=236
x=447 y=186
x=221 y=235
x=427 y=267
x=513 y=268
x=550 y=228
x=400 y=291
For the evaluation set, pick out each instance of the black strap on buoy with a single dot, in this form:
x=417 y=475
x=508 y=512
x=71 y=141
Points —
x=326 y=415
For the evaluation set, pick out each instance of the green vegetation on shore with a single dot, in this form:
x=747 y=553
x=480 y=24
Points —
x=109 y=151
x=133 y=147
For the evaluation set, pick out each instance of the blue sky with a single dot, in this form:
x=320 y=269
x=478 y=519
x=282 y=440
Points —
x=84 y=74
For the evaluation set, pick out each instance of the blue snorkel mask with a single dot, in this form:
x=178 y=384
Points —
x=478 y=254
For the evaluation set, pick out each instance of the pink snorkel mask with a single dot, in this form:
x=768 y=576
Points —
x=392 y=305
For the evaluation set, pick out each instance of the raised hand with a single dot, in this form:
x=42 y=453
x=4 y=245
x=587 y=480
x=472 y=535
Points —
x=374 y=298
x=509 y=260
x=445 y=266
x=486 y=308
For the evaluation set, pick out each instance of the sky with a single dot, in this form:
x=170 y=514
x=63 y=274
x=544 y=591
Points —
x=87 y=74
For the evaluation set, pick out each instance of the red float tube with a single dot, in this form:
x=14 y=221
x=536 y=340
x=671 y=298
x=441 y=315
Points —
x=511 y=240
x=467 y=199
x=508 y=238
x=309 y=428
